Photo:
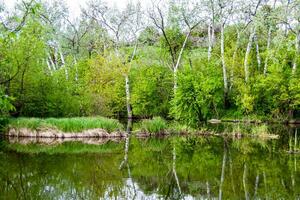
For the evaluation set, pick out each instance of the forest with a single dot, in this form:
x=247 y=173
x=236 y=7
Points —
x=188 y=60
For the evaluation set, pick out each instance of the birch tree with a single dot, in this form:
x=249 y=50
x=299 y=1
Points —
x=251 y=10
x=117 y=22
x=225 y=10
x=188 y=16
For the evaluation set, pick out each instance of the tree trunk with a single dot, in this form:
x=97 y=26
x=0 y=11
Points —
x=179 y=59
x=297 y=52
x=209 y=42
x=246 y=65
x=257 y=52
x=237 y=44
x=268 y=49
x=224 y=65
x=64 y=64
x=127 y=88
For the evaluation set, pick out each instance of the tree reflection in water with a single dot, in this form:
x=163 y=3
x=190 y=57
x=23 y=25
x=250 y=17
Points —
x=170 y=168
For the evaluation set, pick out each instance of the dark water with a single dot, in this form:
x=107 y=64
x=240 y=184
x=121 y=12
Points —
x=157 y=168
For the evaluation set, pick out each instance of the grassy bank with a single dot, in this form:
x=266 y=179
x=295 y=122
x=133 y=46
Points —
x=76 y=124
x=159 y=126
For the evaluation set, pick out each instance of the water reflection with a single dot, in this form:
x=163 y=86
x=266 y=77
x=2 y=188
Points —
x=174 y=168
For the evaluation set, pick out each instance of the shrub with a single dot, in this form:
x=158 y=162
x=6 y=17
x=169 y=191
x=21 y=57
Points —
x=156 y=125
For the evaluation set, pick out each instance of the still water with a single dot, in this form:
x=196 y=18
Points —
x=153 y=168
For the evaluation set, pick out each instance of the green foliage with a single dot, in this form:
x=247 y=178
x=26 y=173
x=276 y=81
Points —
x=175 y=41
x=149 y=36
x=156 y=125
x=67 y=124
x=178 y=128
x=5 y=103
x=199 y=94
x=151 y=90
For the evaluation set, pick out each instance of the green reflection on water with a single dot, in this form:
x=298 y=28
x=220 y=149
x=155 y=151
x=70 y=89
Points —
x=154 y=168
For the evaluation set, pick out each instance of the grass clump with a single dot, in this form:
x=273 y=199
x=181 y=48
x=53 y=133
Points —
x=177 y=128
x=76 y=124
x=156 y=125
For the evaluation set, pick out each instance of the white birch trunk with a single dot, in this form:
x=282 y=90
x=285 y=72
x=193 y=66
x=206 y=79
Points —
x=257 y=52
x=234 y=59
x=76 y=68
x=249 y=45
x=297 y=53
x=64 y=64
x=223 y=61
x=209 y=42
x=178 y=61
x=268 y=49
x=127 y=88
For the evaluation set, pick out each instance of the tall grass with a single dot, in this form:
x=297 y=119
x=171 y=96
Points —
x=76 y=124
x=156 y=125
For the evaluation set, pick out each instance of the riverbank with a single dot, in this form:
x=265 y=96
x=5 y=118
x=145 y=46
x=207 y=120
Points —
x=79 y=127
x=100 y=127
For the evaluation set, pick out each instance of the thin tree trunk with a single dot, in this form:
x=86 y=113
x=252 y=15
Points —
x=76 y=68
x=257 y=52
x=237 y=44
x=209 y=42
x=179 y=59
x=295 y=145
x=213 y=39
x=297 y=52
x=249 y=45
x=268 y=49
x=127 y=88
x=63 y=64
x=224 y=64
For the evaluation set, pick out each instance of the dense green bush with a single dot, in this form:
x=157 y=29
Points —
x=151 y=90
x=199 y=94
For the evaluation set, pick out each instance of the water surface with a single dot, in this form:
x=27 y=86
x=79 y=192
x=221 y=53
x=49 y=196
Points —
x=154 y=168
